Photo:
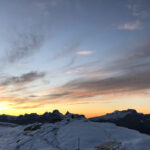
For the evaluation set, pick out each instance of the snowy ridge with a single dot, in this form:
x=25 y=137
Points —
x=7 y=124
x=127 y=118
x=63 y=135
x=116 y=114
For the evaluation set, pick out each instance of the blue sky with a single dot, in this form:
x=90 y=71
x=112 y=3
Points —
x=49 y=49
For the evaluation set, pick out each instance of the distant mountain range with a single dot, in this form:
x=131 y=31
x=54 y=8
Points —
x=47 y=117
x=127 y=118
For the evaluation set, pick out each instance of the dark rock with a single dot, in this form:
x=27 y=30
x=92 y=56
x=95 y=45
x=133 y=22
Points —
x=47 y=117
x=33 y=127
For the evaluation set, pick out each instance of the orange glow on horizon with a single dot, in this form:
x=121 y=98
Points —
x=89 y=107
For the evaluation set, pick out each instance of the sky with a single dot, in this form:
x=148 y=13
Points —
x=84 y=56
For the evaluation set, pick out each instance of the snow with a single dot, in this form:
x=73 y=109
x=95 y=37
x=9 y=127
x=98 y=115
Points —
x=7 y=124
x=115 y=115
x=64 y=135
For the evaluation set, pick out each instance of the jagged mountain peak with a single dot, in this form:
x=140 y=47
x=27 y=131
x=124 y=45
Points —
x=50 y=117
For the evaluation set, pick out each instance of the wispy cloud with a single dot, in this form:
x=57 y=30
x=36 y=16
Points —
x=28 y=106
x=23 y=79
x=88 y=52
x=43 y=5
x=75 y=70
x=55 y=2
x=130 y=26
x=24 y=45
x=67 y=50
x=139 y=8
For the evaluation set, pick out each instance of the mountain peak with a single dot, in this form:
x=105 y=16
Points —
x=118 y=114
x=129 y=118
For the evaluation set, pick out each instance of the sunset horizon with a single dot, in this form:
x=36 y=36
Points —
x=75 y=75
x=85 y=57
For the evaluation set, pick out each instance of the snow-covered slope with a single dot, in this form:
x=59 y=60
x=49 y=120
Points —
x=64 y=135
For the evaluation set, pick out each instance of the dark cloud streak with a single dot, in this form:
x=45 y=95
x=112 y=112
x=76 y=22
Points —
x=23 y=79
x=128 y=82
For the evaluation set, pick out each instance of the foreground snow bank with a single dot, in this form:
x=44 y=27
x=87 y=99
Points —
x=64 y=136
x=93 y=134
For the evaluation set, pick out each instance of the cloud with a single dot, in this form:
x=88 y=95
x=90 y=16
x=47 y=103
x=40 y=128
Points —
x=67 y=50
x=128 y=74
x=137 y=59
x=23 y=79
x=81 y=89
x=24 y=45
x=72 y=61
x=59 y=95
x=55 y=2
x=84 y=52
x=70 y=51
x=75 y=70
x=130 y=26
x=132 y=74
x=124 y=83
x=28 y=106
x=70 y=95
x=41 y=5
x=139 y=8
